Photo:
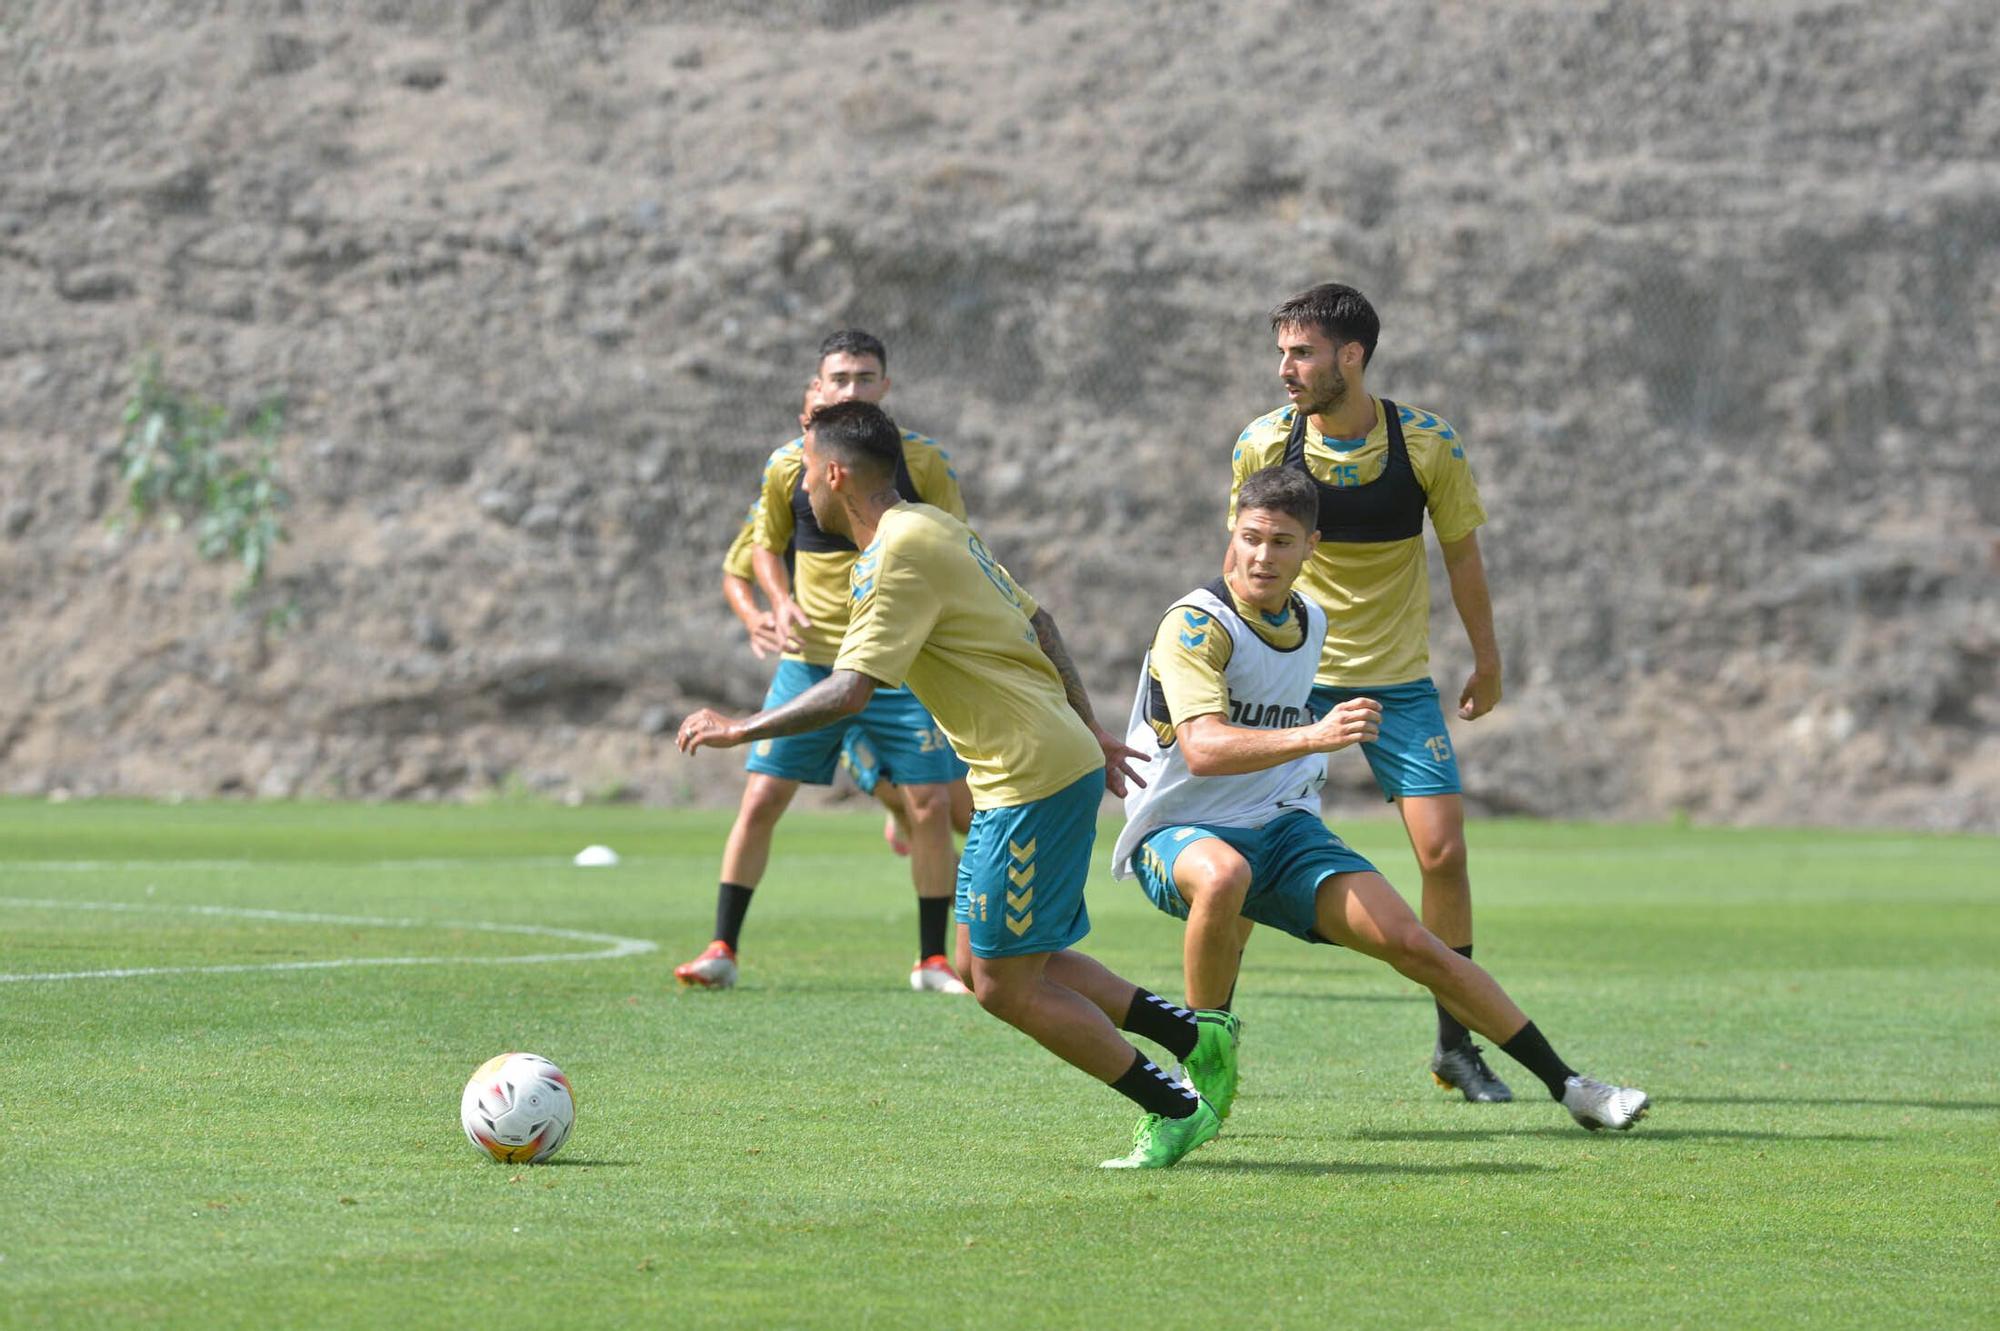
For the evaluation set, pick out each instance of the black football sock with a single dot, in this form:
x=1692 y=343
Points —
x=933 y=914
x=1154 y=1091
x=1451 y=1031
x=1532 y=1052
x=1165 y=1024
x=732 y=903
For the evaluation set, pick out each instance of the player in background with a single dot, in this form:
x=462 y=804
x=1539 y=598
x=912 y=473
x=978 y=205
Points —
x=1227 y=822
x=1379 y=468
x=932 y=607
x=739 y=590
x=852 y=366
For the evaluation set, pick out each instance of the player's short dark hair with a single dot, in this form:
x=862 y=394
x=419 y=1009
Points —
x=1284 y=490
x=1340 y=312
x=858 y=435
x=855 y=343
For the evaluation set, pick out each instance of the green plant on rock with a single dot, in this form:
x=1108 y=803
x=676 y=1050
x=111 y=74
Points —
x=187 y=463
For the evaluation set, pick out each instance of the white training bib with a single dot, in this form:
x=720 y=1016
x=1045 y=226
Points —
x=1269 y=689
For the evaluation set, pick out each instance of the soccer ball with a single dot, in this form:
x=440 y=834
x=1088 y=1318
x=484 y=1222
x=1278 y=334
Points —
x=517 y=1108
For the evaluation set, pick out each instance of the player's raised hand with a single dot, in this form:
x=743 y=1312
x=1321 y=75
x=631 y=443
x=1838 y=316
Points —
x=1481 y=693
x=1118 y=769
x=707 y=728
x=1356 y=721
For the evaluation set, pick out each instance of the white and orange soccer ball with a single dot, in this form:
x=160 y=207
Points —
x=517 y=1108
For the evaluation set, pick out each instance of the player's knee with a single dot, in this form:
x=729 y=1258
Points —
x=926 y=804
x=1005 y=1001
x=1216 y=886
x=1442 y=855
x=763 y=803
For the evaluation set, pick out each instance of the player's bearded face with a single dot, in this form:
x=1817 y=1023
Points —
x=819 y=491
x=1309 y=366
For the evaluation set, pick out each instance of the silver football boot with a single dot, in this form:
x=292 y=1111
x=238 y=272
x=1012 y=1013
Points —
x=1597 y=1105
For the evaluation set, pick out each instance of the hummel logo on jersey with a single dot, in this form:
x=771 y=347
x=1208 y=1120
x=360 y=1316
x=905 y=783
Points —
x=1265 y=716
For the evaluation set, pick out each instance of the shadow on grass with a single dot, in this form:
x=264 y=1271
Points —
x=1977 y=1106
x=788 y=988
x=1201 y=1162
x=1642 y=1132
x=570 y=1162
x=1321 y=996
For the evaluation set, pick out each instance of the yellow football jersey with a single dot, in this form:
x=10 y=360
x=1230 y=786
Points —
x=932 y=608
x=1376 y=594
x=737 y=563
x=821 y=559
x=1189 y=663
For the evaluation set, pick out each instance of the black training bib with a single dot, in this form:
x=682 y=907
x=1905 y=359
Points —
x=1388 y=508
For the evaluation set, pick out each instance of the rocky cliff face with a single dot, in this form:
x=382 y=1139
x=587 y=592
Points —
x=1712 y=291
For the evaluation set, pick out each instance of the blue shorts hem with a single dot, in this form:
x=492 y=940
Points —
x=1289 y=858
x=1413 y=755
x=1027 y=947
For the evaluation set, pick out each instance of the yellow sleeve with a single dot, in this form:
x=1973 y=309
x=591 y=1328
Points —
x=936 y=478
x=1260 y=445
x=1239 y=471
x=737 y=562
x=1451 y=495
x=894 y=609
x=774 y=503
x=1190 y=653
x=1028 y=605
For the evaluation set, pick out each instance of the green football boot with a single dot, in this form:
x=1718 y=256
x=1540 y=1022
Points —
x=1159 y=1142
x=1211 y=1068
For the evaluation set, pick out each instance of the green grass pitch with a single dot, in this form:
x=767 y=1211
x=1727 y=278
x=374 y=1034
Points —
x=1816 y=1014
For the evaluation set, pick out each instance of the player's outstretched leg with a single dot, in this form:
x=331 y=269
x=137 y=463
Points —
x=1361 y=911
x=1204 y=1041
x=1076 y=1027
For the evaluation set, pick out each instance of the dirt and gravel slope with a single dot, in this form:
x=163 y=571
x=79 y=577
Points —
x=1712 y=290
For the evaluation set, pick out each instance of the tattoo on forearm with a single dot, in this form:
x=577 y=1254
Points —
x=1052 y=647
x=824 y=703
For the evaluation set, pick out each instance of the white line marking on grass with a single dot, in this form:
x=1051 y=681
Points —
x=616 y=946
x=93 y=866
